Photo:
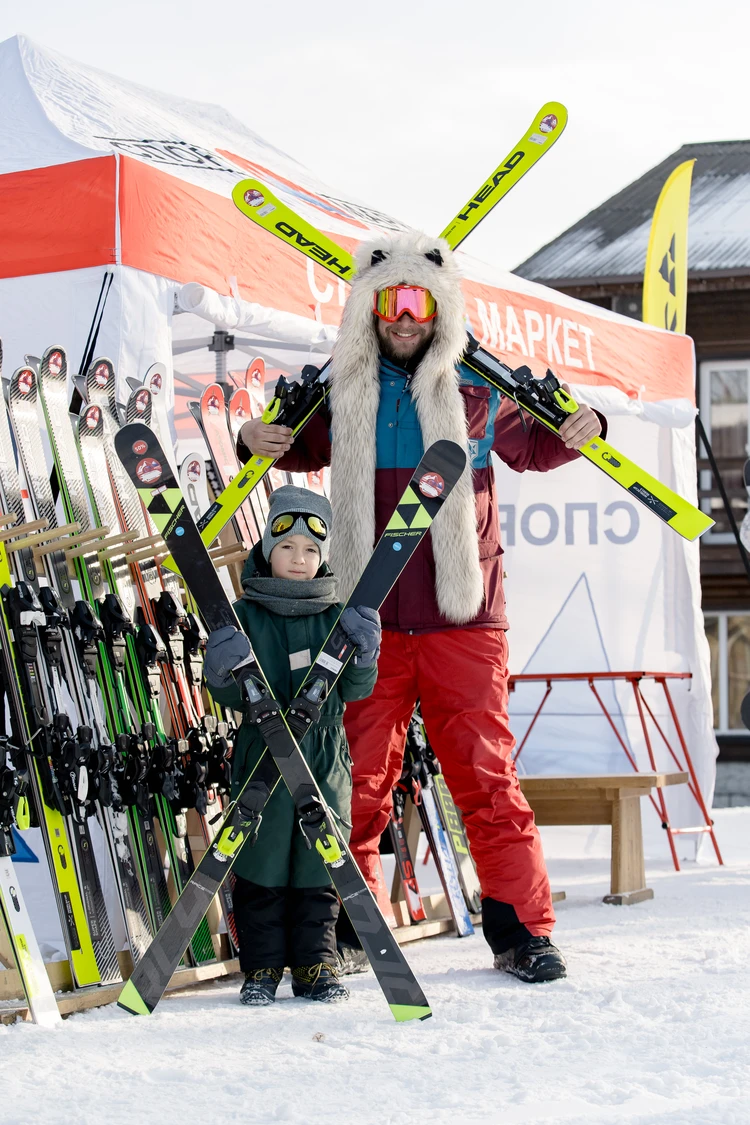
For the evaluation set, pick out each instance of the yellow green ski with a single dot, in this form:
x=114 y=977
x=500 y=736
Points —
x=550 y=409
x=544 y=399
x=546 y=128
x=265 y=208
x=81 y=949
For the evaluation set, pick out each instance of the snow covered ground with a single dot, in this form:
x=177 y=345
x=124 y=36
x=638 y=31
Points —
x=652 y=1026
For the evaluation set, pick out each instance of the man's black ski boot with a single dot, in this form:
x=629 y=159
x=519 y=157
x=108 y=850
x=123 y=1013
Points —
x=351 y=959
x=319 y=982
x=260 y=987
x=534 y=960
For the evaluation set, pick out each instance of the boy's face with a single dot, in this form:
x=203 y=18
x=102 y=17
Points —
x=295 y=557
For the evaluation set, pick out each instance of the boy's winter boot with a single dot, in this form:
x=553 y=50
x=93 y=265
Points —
x=351 y=959
x=319 y=982
x=534 y=960
x=260 y=987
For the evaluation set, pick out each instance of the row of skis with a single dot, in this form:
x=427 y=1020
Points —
x=110 y=746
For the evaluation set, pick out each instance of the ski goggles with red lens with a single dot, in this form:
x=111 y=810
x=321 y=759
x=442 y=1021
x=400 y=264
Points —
x=391 y=303
x=315 y=524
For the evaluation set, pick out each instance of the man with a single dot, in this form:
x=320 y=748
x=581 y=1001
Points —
x=397 y=385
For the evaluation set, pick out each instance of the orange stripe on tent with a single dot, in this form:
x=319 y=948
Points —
x=581 y=348
x=177 y=230
x=58 y=218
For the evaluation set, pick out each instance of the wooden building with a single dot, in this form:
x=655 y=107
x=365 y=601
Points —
x=601 y=259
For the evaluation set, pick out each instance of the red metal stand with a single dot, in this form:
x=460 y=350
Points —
x=686 y=765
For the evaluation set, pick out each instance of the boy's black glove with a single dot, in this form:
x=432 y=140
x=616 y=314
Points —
x=362 y=627
x=226 y=649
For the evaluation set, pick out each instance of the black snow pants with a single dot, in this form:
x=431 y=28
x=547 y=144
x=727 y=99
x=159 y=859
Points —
x=284 y=927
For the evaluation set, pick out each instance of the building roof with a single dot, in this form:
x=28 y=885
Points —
x=609 y=244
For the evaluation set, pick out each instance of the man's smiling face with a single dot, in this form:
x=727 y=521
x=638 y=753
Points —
x=405 y=337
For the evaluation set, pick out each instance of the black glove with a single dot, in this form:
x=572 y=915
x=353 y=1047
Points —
x=362 y=627
x=226 y=649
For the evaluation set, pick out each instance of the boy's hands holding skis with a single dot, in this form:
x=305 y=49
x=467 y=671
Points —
x=226 y=649
x=362 y=627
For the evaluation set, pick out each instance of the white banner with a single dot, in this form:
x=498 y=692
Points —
x=596 y=583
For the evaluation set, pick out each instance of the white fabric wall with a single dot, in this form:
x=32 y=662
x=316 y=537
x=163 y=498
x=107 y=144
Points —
x=57 y=308
x=596 y=582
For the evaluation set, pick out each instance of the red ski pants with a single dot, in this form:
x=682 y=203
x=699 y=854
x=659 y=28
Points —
x=460 y=677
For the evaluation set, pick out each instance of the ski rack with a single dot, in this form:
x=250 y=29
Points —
x=68 y=538
x=644 y=709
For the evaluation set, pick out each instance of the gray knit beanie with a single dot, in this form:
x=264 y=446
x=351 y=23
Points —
x=301 y=502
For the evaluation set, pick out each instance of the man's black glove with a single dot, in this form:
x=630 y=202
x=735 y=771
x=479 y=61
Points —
x=226 y=649
x=362 y=627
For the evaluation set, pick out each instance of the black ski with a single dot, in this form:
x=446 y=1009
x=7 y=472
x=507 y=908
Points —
x=423 y=794
x=438 y=471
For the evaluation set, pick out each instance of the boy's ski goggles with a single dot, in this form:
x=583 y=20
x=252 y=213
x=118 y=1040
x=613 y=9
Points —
x=391 y=303
x=315 y=524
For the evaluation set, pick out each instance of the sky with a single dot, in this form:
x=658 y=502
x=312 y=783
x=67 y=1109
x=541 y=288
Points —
x=410 y=107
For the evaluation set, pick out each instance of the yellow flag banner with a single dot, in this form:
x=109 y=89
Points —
x=665 y=277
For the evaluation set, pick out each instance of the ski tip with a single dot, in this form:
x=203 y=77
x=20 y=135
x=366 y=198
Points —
x=404 y=1012
x=450 y=450
x=131 y=1001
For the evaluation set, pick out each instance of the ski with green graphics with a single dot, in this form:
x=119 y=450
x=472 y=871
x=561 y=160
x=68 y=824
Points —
x=295 y=402
x=430 y=485
x=137 y=672
x=543 y=399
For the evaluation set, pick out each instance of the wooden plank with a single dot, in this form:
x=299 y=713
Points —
x=404 y=934
x=7 y=956
x=86 y=998
x=571 y=810
x=628 y=867
x=533 y=784
x=681 y=778
x=629 y=899
x=186 y=978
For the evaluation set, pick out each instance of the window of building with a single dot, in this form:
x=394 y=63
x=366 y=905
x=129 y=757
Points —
x=729 y=641
x=724 y=398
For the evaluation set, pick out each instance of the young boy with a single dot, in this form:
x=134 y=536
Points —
x=285 y=907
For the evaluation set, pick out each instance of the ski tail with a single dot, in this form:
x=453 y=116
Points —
x=130 y=1000
x=546 y=128
x=547 y=401
x=31 y=969
x=256 y=200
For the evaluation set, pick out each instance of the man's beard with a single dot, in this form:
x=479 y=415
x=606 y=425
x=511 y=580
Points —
x=409 y=364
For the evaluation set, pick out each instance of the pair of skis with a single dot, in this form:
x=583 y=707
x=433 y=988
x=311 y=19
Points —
x=295 y=402
x=147 y=465
x=543 y=399
x=423 y=782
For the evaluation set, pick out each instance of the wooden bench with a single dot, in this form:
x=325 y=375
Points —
x=612 y=799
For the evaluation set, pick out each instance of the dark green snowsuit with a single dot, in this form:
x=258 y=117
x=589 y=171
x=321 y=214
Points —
x=285 y=647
